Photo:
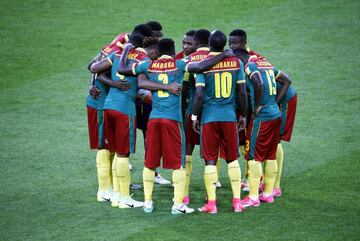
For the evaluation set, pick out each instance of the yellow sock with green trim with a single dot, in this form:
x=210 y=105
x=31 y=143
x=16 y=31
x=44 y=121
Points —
x=210 y=178
x=188 y=169
x=148 y=180
x=255 y=172
x=103 y=169
x=234 y=173
x=279 y=160
x=243 y=152
x=116 y=186
x=271 y=169
x=123 y=174
x=179 y=178
x=218 y=166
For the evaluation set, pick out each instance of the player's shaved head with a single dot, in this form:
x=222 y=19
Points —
x=237 y=39
x=136 y=39
x=167 y=47
x=217 y=41
x=201 y=38
x=143 y=29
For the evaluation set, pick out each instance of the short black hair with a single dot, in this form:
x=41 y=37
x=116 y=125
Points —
x=166 y=47
x=217 y=40
x=136 y=39
x=143 y=29
x=240 y=33
x=150 y=42
x=190 y=33
x=154 y=25
x=201 y=37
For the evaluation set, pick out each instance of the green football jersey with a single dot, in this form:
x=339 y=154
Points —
x=220 y=90
x=270 y=109
x=120 y=100
x=164 y=70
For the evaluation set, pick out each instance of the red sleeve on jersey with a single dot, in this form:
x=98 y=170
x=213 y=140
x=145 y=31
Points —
x=116 y=44
x=252 y=52
x=180 y=55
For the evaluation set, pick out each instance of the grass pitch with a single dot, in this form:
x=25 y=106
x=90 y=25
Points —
x=48 y=175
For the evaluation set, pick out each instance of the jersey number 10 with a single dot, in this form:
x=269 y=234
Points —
x=223 y=84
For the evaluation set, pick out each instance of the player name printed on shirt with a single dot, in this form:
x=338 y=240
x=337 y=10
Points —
x=166 y=65
x=198 y=57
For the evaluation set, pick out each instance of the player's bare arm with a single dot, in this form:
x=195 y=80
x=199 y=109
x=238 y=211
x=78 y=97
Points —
x=94 y=91
x=198 y=103
x=286 y=82
x=241 y=90
x=124 y=68
x=201 y=66
x=100 y=66
x=121 y=84
x=258 y=86
x=98 y=57
x=145 y=83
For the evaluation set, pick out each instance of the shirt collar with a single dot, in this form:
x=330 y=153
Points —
x=203 y=49
x=165 y=57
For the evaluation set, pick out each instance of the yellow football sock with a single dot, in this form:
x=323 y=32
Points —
x=218 y=165
x=188 y=169
x=234 y=173
x=111 y=173
x=179 y=178
x=116 y=186
x=103 y=169
x=271 y=169
x=148 y=180
x=279 y=160
x=243 y=152
x=255 y=172
x=123 y=174
x=210 y=178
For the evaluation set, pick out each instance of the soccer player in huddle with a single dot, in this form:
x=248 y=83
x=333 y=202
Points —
x=201 y=42
x=98 y=91
x=215 y=100
x=164 y=126
x=288 y=111
x=188 y=45
x=120 y=119
x=238 y=40
x=143 y=103
x=264 y=128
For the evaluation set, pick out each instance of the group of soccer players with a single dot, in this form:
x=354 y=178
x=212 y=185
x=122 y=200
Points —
x=222 y=100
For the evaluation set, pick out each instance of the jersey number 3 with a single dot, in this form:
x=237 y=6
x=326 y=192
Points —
x=223 y=84
x=164 y=79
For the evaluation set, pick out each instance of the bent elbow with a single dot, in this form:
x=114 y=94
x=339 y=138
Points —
x=93 y=69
